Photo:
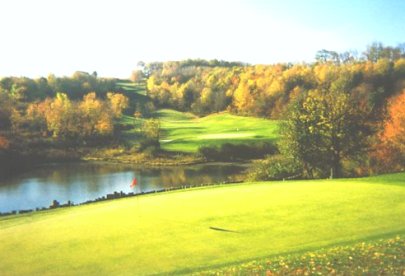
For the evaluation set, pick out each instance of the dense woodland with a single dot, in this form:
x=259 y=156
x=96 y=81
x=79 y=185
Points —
x=267 y=90
x=76 y=109
x=342 y=114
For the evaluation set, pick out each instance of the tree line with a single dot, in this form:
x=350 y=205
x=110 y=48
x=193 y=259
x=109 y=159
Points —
x=25 y=89
x=267 y=90
x=70 y=110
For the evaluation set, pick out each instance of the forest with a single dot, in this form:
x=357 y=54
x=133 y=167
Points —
x=342 y=115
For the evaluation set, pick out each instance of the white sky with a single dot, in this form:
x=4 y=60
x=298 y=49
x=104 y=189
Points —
x=61 y=36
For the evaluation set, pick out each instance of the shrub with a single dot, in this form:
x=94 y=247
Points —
x=234 y=152
x=274 y=168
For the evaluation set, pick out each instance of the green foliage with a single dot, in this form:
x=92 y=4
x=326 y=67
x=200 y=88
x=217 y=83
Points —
x=274 y=168
x=6 y=109
x=151 y=129
x=377 y=50
x=149 y=143
x=324 y=128
x=234 y=152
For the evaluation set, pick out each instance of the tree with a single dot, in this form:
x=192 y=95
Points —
x=95 y=116
x=6 y=108
x=151 y=129
x=57 y=115
x=377 y=51
x=327 y=56
x=323 y=129
x=4 y=143
x=391 y=151
x=118 y=103
x=394 y=126
x=137 y=76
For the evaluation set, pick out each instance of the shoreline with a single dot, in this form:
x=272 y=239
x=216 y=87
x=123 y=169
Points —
x=109 y=197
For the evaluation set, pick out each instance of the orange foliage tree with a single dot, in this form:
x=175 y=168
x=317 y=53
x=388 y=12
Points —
x=391 y=152
x=4 y=143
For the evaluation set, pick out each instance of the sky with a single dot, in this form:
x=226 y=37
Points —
x=110 y=36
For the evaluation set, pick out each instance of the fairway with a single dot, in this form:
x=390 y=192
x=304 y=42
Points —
x=186 y=231
x=186 y=132
x=131 y=87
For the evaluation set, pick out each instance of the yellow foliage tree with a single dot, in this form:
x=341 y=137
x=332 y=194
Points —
x=118 y=103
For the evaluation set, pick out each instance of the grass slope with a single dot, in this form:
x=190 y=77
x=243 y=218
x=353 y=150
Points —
x=173 y=232
x=378 y=257
x=185 y=132
x=131 y=87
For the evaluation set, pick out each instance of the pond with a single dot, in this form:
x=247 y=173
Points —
x=80 y=182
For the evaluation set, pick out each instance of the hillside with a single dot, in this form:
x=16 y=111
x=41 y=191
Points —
x=197 y=229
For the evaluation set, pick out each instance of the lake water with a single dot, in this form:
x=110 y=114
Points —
x=79 y=182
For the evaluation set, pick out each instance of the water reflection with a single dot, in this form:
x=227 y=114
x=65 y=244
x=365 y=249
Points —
x=79 y=182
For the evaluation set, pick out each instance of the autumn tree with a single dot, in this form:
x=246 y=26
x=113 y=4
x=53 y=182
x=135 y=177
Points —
x=151 y=129
x=57 y=114
x=394 y=127
x=323 y=129
x=72 y=120
x=391 y=151
x=137 y=76
x=4 y=143
x=118 y=103
x=91 y=112
x=35 y=116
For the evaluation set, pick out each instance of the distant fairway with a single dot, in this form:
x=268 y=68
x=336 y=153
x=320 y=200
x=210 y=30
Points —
x=131 y=87
x=186 y=132
x=186 y=231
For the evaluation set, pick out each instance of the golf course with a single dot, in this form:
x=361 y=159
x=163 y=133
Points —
x=199 y=229
x=202 y=138
x=185 y=132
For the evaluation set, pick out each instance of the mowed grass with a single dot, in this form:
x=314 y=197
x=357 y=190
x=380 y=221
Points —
x=131 y=87
x=177 y=232
x=186 y=132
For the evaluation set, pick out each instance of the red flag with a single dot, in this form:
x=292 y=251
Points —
x=134 y=182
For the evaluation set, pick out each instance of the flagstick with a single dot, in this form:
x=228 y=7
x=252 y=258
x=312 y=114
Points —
x=139 y=209
x=134 y=183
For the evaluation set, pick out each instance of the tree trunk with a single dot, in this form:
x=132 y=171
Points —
x=336 y=168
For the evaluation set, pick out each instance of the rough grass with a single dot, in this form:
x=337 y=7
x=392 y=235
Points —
x=178 y=232
x=382 y=257
x=185 y=132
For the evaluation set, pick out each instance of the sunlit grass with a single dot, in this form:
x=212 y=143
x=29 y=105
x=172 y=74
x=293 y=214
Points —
x=382 y=257
x=131 y=87
x=175 y=232
x=185 y=132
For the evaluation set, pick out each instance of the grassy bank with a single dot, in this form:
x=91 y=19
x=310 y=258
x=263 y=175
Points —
x=188 y=231
x=379 y=257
